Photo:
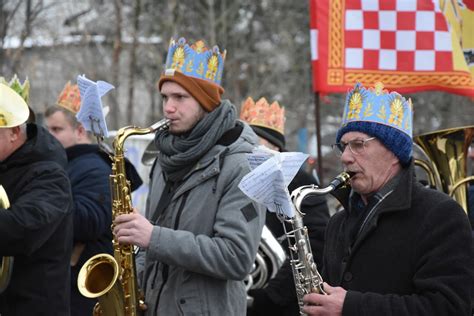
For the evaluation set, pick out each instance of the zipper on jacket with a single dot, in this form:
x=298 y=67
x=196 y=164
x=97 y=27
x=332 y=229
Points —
x=221 y=163
x=165 y=271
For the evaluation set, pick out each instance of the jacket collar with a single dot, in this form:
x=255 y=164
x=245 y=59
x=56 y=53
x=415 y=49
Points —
x=399 y=199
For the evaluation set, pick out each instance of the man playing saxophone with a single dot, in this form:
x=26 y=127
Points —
x=200 y=233
x=397 y=248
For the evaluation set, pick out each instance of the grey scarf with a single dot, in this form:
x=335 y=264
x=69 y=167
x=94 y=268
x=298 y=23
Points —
x=179 y=153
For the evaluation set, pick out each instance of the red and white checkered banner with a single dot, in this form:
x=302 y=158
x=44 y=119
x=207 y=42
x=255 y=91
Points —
x=409 y=45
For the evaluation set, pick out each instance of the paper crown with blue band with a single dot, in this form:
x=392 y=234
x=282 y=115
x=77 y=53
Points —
x=382 y=114
x=195 y=60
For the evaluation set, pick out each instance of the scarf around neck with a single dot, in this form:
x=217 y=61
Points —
x=179 y=153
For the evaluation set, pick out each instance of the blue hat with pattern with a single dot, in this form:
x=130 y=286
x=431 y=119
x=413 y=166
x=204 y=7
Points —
x=378 y=113
x=196 y=60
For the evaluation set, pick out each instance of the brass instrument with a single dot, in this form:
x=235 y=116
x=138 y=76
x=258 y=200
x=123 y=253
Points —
x=7 y=262
x=447 y=152
x=113 y=279
x=305 y=273
x=270 y=257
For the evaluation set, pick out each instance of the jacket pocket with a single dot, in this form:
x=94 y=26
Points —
x=189 y=298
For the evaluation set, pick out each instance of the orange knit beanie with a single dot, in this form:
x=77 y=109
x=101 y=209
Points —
x=208 y=94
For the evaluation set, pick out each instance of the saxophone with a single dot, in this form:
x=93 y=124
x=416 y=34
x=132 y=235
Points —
x=305 y=272
x=7 y=262
x=112 y=279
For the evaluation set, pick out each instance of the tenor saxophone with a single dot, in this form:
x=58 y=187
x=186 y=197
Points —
x=7 y=262
x=305 y=272
x=112 y=279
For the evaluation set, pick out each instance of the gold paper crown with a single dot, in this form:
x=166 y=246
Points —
x=70 y=98
x=263 y=114
x=23 y=89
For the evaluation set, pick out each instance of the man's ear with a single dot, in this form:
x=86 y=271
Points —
x=82 y=134
x=15 y=133
x=81 y=130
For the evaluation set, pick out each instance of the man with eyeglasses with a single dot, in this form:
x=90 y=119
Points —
x=397 y=248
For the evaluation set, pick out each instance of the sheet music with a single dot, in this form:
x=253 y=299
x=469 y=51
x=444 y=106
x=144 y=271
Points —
x=91 y=113
x=267 y=183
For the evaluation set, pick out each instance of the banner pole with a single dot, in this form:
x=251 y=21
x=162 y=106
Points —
x=318 y=136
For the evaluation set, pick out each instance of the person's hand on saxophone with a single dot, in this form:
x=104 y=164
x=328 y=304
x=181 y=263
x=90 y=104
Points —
x=329 y=304
x=133 y=229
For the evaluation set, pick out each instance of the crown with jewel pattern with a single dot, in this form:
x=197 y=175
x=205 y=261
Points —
x=381 y=114
x=70 y=98
x=377 y=105
x=195 y=60
x=263 y=114
x=23 y=89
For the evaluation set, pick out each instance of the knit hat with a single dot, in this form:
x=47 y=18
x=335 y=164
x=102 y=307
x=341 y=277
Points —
x=378 y=113
x=267 y=121
x=197 y=69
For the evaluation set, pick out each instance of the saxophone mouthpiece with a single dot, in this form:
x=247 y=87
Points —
x=341 y=179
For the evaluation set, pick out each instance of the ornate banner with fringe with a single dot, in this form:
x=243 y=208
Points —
x=410 y=46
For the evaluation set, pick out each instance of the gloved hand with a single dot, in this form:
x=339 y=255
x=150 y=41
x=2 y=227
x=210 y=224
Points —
x=262 y=304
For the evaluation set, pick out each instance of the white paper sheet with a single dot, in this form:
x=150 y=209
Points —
x=91 y=113
x=267 y=183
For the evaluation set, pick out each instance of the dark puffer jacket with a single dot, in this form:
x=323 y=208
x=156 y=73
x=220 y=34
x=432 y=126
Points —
x=37 y=229
x=413 y=257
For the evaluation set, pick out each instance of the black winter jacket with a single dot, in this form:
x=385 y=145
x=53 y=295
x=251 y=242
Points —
x=37 y=228
x=412 y=257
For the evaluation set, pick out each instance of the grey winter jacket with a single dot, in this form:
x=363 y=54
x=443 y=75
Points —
x=204 y=243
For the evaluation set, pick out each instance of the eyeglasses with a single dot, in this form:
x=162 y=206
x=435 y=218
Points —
x=357 y=146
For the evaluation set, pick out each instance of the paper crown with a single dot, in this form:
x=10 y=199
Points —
x=263 y=114
x=23 y=89
x=195 y=60
x=13 y=108
x=377 y=105
x=70 y=98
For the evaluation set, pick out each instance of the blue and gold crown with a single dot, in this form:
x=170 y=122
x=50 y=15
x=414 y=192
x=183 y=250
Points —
x=382 y=114
x=195 y=60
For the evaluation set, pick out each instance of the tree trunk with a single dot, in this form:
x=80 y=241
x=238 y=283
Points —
x=133 y=60
x=115 y=106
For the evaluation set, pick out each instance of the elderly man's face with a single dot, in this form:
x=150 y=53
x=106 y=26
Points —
x=374 y=166
x=180 y=107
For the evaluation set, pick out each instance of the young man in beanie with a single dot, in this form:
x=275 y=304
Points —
x=35 y=215
x=397 y=248
x=200 y=233
x=278 y=296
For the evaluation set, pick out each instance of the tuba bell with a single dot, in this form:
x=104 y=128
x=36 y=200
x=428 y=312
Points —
x=447 y=166
x=7 y=262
